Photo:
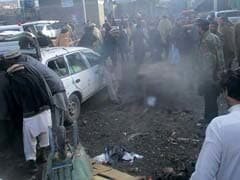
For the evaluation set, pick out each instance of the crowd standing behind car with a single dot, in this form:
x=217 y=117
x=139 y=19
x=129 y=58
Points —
x=130 y=41
x=201 y=48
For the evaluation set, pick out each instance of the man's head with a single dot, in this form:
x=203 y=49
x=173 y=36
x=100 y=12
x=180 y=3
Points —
x=231 y=85
x=64 y=30
x=213 y=27
x=8 y=58
x=223 y=20
x=203 y=25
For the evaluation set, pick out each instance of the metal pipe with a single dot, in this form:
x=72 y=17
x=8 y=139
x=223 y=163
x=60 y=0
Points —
x=19 y=3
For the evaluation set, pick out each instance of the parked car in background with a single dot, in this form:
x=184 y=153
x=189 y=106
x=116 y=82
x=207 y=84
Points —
x=25 y=41
x=49 y=28
x=233 y=15
x=46 y=27
x=11 y=28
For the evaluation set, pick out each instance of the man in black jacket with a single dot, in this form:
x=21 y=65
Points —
x=34 y=99
x=59 y=107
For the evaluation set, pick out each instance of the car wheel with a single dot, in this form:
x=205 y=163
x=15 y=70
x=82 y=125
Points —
x=74 y=107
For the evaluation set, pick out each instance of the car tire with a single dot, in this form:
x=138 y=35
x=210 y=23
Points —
x=74 y=108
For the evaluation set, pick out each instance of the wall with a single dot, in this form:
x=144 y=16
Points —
x=234 y=4
x=52 y=9
x=207 y=5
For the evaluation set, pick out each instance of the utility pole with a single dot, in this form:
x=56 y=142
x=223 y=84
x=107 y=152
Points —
x=215 y=5
x=22 y=9
x=84 y=11
x=19 y=3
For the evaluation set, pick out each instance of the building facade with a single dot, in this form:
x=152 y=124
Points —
x=95 y=11
x=63 y=10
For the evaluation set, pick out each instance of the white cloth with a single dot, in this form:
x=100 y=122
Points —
x=219 y=158
x=33 y=127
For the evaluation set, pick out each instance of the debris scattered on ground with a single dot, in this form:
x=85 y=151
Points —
x=101 y=159
x=152 y=132
x=199 y=124
x=114 y=154
x=131 y=157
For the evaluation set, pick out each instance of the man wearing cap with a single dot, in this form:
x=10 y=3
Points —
x=64 y=39
x=220 y=154
x=33 y=97
x=89 y=38
x=211 y=64
x=213 y=27
x=57 y=89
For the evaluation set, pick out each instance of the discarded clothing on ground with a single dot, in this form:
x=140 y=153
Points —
x=114 y=154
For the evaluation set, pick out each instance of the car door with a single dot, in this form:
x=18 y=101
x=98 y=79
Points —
x=97 y=69
x=59 y=65
x=80 y=74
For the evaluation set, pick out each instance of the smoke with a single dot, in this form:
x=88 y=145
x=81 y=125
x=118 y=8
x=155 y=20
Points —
x=169 y=83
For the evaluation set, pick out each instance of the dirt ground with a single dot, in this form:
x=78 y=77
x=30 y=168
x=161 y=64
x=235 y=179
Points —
x=167 y=135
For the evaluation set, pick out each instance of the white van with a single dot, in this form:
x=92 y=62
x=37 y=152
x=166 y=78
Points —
x=43 y=26
x=11 y=28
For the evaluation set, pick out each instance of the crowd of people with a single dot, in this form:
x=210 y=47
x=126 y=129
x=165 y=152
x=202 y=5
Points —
x=205 y=49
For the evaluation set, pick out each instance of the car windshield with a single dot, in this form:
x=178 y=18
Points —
x=57 y=25
x=93 y=58
x=39 y=27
